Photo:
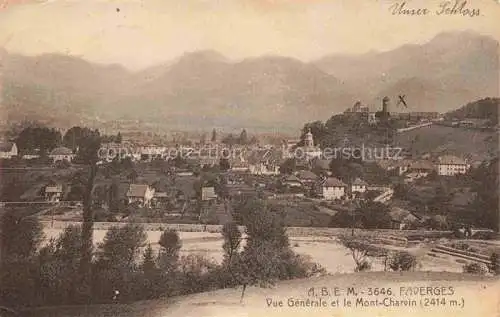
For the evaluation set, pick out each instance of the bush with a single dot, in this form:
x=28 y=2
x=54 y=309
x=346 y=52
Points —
x=475 y=268
x=363 y=266
x=402 y=261
x=495 y=264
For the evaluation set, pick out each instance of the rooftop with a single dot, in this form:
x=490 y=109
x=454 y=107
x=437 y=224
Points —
x=61 y=151
x=208 y=193
x=6 y=146
x=136 y=190
x=306 y=175
x=359 y=182
x=451 y=160
x=53 y=189
x=333 y=182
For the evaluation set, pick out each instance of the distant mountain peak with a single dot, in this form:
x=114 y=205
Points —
x=205 y=55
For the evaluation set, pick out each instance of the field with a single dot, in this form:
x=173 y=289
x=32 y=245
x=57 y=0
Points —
x=324 y=250
x=473 y=144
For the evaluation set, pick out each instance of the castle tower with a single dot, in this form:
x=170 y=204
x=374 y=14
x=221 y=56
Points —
x=385 y=105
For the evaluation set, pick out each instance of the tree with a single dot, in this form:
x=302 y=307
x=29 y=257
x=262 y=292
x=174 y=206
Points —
x=153 y=283
x=486 y=208
x=203 y=138
x=59 y=261
x=224 y=164
x=132 y=176
x=401 y=191
x=20 y=236
x=243 y=140
x=148 y=261
x=266 y=256
x=113 y=197
x=375 y=215
x=230 y=139
x=318 y=130
x=78 y=137
x=118 y=138
x=475 y=268
x=121 y=245
x=289 y=166
x=12 y=190
x=214 y=136
x=402 y=261
x=88 y=154
x=170 y=244
x=494 y=266
x=346 y=169
x=116 y=266
x=359 y=252
x=42 y=138
x=232 y=240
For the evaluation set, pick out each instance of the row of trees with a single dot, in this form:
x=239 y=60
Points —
x=45 y=139
x=32 y=274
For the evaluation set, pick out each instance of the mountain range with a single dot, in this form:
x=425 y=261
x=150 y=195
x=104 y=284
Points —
x=204 y=89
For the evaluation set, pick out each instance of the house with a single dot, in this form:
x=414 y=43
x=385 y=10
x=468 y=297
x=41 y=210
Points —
x=264 y=169
x=142 y=194
x=331 y=188
x=53 y=193
x=358 y=186
x=288 y=146
x=372 y=118
x=61 y=154
x=208 y=193
x=422 y=167
x=8 y=150
x=378 y=187
x=31 y=155
x=307 y=177
x=159 y=198
x=240 y=166
x=449 y=165
x=395 y=167
x=152 y=152
x=241 y=190
x=184 y=172
x=291 y=181
x=265 y=162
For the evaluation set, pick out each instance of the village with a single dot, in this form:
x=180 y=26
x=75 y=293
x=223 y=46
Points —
x=203 y=182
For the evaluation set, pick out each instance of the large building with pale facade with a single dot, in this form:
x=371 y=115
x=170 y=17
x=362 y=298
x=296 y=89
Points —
x=449 y=165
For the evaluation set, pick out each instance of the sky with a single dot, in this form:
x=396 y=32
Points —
x=142 y=33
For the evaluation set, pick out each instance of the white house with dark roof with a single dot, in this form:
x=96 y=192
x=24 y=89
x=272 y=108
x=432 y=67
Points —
x=53 y=193
x=142 y=194
x=331 y=188
x=358 y=186
x=61 y=154
x=8 y=150
x=449 y=165
x=208 y=193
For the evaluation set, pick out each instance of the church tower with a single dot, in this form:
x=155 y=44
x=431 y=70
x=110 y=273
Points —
x=309 y=141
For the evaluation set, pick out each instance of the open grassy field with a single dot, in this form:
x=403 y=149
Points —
x=473 y=144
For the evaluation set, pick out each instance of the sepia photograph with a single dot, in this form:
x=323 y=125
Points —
x=243 y=158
